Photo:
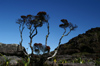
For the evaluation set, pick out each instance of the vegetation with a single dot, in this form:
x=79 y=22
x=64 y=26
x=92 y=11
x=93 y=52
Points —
x=84 y=45
x=25 y=62
x=32 y=23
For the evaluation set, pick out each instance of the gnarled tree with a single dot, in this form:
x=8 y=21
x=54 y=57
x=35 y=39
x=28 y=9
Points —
x=21 y=23
x=33 y=22
x=64 y=26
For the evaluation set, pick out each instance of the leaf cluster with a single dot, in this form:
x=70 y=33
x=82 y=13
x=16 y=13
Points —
x=40 y=48
x=35 y=21
x=67 y=24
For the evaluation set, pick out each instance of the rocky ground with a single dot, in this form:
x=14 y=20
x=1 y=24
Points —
x=11 y=53
x=74 y=60
x=84 y=47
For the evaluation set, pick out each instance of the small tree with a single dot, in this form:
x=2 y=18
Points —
x=21 y=23
x=32 y=23
x=64 y=26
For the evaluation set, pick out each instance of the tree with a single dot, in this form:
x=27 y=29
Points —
x=21 y=23
x=32 y=23
x=64 y=26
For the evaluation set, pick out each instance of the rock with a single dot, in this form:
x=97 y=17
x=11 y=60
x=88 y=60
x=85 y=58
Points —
x=49 y=63
x=12 y=60
x=75 y=64
x=12 y=49
x=11 y=54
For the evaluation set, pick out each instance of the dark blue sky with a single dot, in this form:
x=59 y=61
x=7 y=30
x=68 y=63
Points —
x=84 y=13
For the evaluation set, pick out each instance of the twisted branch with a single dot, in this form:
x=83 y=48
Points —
x=21 y=30
x=59 y=44
x=47 y=34
x=31 y=37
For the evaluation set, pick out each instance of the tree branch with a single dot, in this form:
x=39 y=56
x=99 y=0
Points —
x=47 y=34
x=59 y=44
x=21 y=30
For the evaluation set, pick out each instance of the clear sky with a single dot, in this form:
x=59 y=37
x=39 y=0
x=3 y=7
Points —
x=84 y=13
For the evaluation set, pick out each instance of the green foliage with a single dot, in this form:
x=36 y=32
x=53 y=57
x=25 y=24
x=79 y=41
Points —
x=63 y=61
x=7 y=61
x=79 y=60
x=26 y=63
x=97 y=62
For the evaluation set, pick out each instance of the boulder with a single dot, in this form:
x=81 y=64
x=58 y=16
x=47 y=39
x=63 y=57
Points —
x=11 y=54
x=12 y=49
x=10 y=60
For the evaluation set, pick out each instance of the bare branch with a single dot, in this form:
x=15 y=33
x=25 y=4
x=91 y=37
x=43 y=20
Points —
x=65 y=25
x=47 y=34
x=21 y=28
x=34 y=34
x=31 y=37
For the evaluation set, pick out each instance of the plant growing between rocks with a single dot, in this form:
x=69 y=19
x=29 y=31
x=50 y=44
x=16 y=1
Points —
x=32 y=23
x=6 y=60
